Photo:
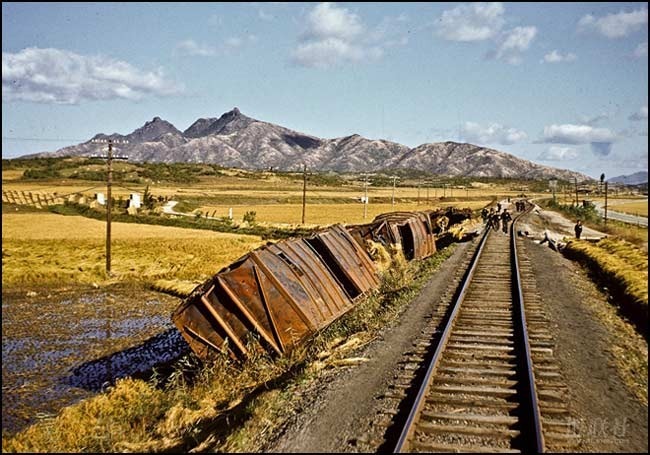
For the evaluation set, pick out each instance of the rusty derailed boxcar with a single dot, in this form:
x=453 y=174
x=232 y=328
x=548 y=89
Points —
x=276 y=296
x=283 y=292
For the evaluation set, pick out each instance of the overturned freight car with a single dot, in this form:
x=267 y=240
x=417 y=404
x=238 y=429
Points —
x=276 y=296
x=282 y=292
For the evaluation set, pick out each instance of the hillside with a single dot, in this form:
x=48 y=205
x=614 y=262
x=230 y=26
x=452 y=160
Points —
x=235 y=140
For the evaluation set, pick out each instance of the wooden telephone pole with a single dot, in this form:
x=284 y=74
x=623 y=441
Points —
x=304 y=191
x=109 y=202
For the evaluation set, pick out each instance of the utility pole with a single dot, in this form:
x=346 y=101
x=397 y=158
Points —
x=605 y=203
x=109 y=202
x=109 y=184
x=576 y=182
x=393 y=198
x=365 y=197
x=419 y=183
x=304 y=191
x=365 y=194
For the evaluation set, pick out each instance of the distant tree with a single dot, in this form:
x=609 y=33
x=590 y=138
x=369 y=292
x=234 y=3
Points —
x=147 y=198
x=250 y=217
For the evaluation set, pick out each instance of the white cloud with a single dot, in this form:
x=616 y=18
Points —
x=615 y=25
x=485 y=21
x=327 y=21
x=556 y=57
x=515 y=43
x=327 y=53
x=641 y=114
x=556 y=153
x=493 y=133
x=335 y=35
x=63 y=77
x=576 y=134
x=600 y=139
x=641 y=50
x=235 y=43
x=229 y=45
x=190 y=47
x=471 y=22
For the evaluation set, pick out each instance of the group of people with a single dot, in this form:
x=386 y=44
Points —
x=496 y=219
x=520 y=206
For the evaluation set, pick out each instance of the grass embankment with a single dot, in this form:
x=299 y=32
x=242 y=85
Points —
x=225 y=405
x=623 y=269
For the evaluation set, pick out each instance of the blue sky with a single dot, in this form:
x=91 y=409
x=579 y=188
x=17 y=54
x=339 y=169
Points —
x=560 y=84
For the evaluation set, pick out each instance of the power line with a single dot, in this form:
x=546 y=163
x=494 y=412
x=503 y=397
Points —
x=48 y=139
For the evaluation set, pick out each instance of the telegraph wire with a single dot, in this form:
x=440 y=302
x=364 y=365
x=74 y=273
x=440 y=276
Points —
x=45 y=139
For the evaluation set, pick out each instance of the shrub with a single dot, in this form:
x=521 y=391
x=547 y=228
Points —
x=249 y=217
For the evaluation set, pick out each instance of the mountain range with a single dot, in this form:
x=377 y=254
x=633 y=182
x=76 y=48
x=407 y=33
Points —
x=632 y=179
x=235 y=140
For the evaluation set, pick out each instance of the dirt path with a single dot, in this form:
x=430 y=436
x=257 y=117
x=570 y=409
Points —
x=337 y=413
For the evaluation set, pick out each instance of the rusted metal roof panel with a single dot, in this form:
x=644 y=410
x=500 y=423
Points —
x=351 y=259
x=326 y=292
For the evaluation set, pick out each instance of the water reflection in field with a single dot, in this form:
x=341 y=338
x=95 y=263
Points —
x=60 y=347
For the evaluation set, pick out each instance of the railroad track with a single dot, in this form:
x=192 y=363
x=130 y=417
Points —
x=489 y=382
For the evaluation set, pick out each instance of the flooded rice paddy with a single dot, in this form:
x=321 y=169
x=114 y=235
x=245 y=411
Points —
x=59 y=347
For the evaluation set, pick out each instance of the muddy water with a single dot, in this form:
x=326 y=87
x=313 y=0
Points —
x=59 y=347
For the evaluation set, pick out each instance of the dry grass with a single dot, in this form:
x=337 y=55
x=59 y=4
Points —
x=98 y=424
x=639 y=208
x=48 y=249
x=623 y=268
x=12 y=174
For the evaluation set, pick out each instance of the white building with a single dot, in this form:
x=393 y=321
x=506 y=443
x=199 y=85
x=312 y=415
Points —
x=134 y=200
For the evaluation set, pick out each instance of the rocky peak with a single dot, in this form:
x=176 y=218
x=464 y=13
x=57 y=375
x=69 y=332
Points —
x=152 y=130
x=230 y=122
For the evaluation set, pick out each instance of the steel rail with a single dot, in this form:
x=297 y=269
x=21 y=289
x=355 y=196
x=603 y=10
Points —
x=535 y=422
x=529 y=405
x=422 y=392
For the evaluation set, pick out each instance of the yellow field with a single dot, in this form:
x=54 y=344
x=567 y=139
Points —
x=53 y=249
x=323 y=214
x=270 y=187
x=634 y=208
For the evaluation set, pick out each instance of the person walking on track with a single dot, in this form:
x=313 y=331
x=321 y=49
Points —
x=505 y=219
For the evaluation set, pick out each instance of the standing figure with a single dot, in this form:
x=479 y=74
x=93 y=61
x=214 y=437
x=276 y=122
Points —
x=494 y=218
x=578 y=229
x=505 y=219
x=484 y=215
